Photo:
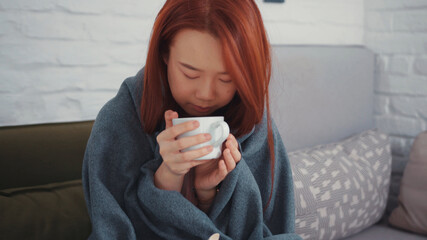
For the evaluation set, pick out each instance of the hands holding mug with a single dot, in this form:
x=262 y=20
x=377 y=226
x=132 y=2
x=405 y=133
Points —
x=210 y=174
x=178 y=162
x=185 y=140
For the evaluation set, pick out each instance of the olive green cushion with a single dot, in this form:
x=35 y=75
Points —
x=51 y=211
x=40 y=154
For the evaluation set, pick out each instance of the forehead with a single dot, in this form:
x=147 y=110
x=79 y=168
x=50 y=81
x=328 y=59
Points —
x=199 y=49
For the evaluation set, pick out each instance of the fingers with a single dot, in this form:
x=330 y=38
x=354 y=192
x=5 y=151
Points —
x=180 y=163
x=233 y=141
x=194 y=154
x=172 y=132
x=183 y=167
x=229 y=160
x=235 y=153
x=172 y=155
x=231 y=156
x=169 y=115
x=193 y=163
x=171 y=149
x=186 y=142
x=222 y=171
x=233 y=146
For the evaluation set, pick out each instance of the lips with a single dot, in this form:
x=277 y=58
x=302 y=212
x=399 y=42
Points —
x=201 y=109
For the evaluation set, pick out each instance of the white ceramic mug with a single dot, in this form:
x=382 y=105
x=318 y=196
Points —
x=215 y=126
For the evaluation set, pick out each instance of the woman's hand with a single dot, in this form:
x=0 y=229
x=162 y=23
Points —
x=210 y=174
x=170 y=174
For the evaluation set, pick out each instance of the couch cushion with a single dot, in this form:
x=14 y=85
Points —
x=411 y=214
x=341 y=188
x=381 y=231
x=40 y=154
x=332 y=84
x=52 y=211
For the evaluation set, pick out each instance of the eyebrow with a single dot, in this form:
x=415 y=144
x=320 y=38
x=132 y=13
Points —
x=195 y=69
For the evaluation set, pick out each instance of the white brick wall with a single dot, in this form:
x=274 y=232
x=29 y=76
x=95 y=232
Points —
x=396 y=30
x=326 y=22
x=61 y=60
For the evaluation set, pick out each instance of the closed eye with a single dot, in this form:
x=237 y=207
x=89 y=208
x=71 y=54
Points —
x=190 y=77
x=225 y=81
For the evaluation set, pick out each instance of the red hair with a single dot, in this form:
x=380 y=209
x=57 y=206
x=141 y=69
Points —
x=246 y=51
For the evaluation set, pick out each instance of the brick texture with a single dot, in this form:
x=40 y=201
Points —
x=62 y=60
x=420 y=66
x=396 y=31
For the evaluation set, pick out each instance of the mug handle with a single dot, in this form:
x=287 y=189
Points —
x=225 y=130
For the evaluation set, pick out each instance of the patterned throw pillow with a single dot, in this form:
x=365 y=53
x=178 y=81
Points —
x=341 y=188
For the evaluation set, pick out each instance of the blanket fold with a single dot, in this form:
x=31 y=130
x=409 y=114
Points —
x=123 y=202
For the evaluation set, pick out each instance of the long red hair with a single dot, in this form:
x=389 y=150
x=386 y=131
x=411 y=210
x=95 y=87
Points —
x=239 y=27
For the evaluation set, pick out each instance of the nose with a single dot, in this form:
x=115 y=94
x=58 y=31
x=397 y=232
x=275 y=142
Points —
x=206 y=90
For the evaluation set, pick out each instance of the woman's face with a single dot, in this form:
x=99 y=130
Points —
x=197 y=76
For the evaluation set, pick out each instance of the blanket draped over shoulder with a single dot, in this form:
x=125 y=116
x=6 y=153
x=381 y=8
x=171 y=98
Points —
x=123 y=202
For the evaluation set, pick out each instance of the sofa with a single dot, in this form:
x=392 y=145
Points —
x=41 y=195
x=346 y=182
x=322 y=103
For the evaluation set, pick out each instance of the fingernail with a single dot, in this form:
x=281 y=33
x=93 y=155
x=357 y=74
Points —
x=196 y=123
x=209 y=148
x=207 y=136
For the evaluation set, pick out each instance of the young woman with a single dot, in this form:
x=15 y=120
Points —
x=205 y=58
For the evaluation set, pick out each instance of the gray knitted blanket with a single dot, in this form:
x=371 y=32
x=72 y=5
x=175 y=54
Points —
x=123 y=203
